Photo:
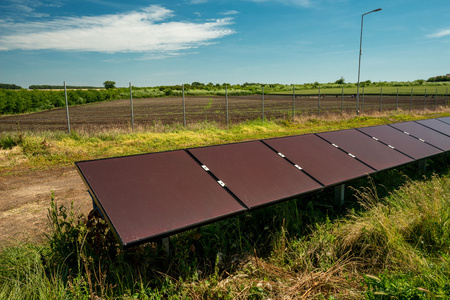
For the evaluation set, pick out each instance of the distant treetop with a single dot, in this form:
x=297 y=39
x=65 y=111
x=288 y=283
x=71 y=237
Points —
x=109 y=84
x=8 y=86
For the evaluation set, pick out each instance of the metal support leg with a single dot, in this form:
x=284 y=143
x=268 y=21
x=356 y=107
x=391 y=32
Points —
x=166 y=245
x=339 y=194
x=423 y=165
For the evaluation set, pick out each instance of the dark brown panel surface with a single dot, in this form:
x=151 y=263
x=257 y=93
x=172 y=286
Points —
x=401 y=141
x=371 y=152
x=145 y=196
x=424 y=133
x=319 y=159
x=255 y=173
x=445 y=119
x=437 y=125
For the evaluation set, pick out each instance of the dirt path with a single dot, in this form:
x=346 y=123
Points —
x=25 y=199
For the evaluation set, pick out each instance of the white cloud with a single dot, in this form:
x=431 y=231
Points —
x=230 y=12
x=138 y=31
x=439 y=34
x=303 y=3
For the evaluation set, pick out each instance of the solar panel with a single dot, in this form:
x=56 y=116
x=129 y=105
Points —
x=366 y=149
x=437 y=125
x=445 y=119
x=151 y=195
x=319 y=159
x=155 y=195
x=401 y=141
x=425 y=134
x=255 y=173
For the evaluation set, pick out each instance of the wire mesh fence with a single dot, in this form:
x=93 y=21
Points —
x=219 y=109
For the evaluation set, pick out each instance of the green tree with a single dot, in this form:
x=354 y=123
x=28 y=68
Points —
x=109 y=84
x=340 y=81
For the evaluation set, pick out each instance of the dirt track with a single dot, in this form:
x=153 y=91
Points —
x=25 y=199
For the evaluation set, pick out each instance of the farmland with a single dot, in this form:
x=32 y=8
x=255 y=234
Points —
x=171 y=110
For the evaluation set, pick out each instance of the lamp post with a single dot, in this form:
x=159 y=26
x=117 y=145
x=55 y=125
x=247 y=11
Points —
x=360 y=52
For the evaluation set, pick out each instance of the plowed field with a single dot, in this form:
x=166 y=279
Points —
x=172 y=110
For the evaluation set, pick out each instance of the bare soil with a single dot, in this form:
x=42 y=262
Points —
x=25 y=200
x=170 y=110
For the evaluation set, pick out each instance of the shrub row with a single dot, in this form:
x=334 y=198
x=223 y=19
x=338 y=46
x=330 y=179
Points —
x=22 y=101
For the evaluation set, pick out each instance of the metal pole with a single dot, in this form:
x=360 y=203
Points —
x=396 y=105
x=410 y=100
x=363 y=99
x=293 y=102
x=318 y=100
x=381 y=99
x=360 y=52
x=184 y=106
x=446 y=93
x=131 y=104
x=67 y=107
x=226 y=104
x=339 y=194
x=342 y=101
x=262 y=108
x=425 y=99
x=435 y=99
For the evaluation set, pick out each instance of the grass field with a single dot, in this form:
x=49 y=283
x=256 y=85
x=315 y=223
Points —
x=391 y=241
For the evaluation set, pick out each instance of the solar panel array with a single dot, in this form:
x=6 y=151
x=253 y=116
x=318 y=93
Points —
x=158 y=194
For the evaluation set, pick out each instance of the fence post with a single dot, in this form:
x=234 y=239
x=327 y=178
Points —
x=381 y=99
x=184 y=106
x=410 y=100
x=226 y=104
x=131 y=104
x=396 y=104
x=293 y=102
x=435 y=99
x=262 y=108
x=67 y=107
x=425 y=99
x=318 y=100
x=342 y=101
x=363 y=100
x=446 y=93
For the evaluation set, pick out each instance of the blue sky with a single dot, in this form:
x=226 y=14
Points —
x=150 y=43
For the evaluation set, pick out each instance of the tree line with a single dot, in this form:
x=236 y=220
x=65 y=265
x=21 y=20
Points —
x=23 y=101
x=14 y=99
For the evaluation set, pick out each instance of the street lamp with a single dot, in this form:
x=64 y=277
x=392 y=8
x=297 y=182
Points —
x=360 y=52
